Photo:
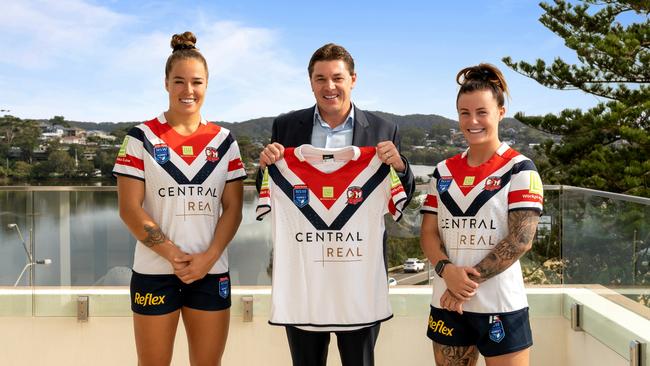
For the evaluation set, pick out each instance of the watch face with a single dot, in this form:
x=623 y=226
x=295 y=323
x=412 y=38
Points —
x=439 y=266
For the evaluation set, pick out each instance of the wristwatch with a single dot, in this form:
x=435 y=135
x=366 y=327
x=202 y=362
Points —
x=440 y=266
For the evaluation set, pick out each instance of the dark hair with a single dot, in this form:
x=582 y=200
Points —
x=483 y=77
x=330 y=52
x=183 y=46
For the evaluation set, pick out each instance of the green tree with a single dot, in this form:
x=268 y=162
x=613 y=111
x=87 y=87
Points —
x=23 y=134
x=59 y=120
x=608 y=146
x=61 y=163
x=21 y=170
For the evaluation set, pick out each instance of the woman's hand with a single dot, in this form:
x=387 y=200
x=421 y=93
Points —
x=458 y=282
x=192 y=267
x=451 y=303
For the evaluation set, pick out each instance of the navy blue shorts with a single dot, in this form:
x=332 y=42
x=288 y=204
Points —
x=157 y=294
x=493 y=334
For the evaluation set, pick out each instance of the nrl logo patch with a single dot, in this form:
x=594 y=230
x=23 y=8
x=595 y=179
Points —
x=211 y=154
x=224 y=287
x=443 y=184
x=355 y=195
x=161 y=153
x=497 y=333
x=301 y=196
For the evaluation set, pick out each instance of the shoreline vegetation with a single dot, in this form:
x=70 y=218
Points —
x=60 y=152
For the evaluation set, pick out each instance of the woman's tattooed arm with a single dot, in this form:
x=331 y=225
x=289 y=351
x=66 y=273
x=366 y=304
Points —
x=154 y=236
x=522 y=225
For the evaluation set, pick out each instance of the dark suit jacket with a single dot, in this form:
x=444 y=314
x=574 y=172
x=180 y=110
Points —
x=294 y=129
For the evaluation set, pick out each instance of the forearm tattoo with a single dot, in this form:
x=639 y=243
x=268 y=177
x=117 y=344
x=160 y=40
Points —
x=155 y=236
x=521 y=226
x=455 y=355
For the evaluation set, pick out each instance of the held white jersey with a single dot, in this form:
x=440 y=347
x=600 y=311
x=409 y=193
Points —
x=327 y=209
x=472 y=205
x=184 y=178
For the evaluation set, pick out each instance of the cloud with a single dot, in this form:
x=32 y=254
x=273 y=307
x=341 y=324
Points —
x=38 y=34
x=91 y=63
x=251 y=74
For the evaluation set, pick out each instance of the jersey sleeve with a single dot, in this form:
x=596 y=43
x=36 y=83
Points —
x=130 y=157
x=264 y=201
x=430 y=204
x=397 y=196
x=236 y=169
x=526 y=191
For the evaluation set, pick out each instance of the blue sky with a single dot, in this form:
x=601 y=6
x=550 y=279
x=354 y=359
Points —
x=92 y=60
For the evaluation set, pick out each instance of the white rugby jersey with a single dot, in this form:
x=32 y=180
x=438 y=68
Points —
x=328 y=208
x=472 y=204
x=184 y=178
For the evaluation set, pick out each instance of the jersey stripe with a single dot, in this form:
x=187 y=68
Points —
x=198 y=140
x=316 y=180
x=484 y=196
x=130 y=160
x=345 y=215
x=202 y=174
x=235 y=164
x=524 y=195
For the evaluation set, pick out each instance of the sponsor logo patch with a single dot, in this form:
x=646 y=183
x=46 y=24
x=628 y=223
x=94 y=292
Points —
x=161 y=153
x=439 y=327
x=188 y=151
x=122 y=152
x=536 y=186
x=328 y=192
x=444 y=183
x=224 y=287
x=492 y=183
x=211 y=154
x=497 y=333
x=469 y=180
x=148 y=299
x=355 y=195
x=301 y=196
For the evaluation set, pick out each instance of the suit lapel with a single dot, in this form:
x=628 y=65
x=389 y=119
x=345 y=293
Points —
x=305 y=127
x=360 y=130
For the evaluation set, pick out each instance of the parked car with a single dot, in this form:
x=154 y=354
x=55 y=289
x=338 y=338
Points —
x=413 y=265
x=392 y=281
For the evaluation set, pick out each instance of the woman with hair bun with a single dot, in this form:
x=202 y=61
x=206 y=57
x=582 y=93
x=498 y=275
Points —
x=479 y=218
x=180 y=192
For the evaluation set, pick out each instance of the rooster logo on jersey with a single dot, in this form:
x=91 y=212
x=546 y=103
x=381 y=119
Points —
x=211 y=154
x=355 y=195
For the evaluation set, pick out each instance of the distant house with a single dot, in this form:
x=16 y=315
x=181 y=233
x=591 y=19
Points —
x=99 y=134
x=70 y=140
x=52 y=132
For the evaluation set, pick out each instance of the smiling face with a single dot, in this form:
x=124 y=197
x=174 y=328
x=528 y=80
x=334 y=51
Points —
x=186 y=85
x=479 y=115
x=332 y=85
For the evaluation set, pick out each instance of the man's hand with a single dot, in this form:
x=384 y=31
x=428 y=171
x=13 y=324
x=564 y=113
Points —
x=389 y=155
x=271 y=153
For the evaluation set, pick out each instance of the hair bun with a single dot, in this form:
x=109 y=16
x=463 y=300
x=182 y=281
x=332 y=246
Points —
x=184 y=41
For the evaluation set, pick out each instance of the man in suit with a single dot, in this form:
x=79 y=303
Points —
x=335 y=122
